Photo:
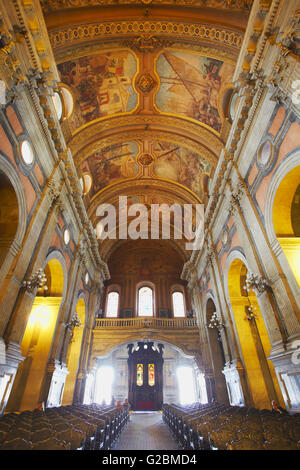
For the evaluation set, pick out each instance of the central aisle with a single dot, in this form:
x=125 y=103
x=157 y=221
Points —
x=146 y=431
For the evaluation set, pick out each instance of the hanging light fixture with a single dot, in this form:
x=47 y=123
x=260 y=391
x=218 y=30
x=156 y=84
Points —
x=215 y=322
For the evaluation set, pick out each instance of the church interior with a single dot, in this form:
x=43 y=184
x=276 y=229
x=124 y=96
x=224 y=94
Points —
x=108 y=109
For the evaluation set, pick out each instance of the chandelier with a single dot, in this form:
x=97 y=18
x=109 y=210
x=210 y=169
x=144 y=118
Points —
x=38 y=279
x=256 y=282
x=251 y=313
x=215 y=322
x=74 y=323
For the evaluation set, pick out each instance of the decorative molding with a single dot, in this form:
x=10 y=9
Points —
x=159 y=127
x=144 y=34
x=54 y=5
x=147 y=43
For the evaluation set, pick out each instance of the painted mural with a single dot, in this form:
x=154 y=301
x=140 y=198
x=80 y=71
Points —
x=181 y=165
x=111 y=164
x=191 y=85
x=101 y=84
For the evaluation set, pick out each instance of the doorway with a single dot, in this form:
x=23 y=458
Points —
x=145 y=371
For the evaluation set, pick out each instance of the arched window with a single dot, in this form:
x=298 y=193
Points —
x=145 y=301
x=112 y=306
x=178 y=304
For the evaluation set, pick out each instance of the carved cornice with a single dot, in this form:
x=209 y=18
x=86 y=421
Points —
x=56 y=5
x=205 y=48
x=139 y=30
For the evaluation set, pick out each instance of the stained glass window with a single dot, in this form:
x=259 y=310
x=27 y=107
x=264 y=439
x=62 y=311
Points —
x=145 y=301
x=139 y=375
x=112 y=304
x=151 y=376
x=178 y=304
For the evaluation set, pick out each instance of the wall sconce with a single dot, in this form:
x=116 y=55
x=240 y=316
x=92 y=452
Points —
x=38 y=279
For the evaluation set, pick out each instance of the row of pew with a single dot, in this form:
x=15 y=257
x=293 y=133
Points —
x=220 y=427
x=72 y=427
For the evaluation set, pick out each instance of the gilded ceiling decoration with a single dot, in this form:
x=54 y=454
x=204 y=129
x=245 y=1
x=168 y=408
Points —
x=145 y=36
x=168 y=161
x=52 y=5
x=111 y=164
x=191 y=84
x=148 y=121
x=101 y=84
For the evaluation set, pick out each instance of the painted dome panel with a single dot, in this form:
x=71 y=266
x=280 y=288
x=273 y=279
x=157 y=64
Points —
x=180 y=165
x=190 y=85
x=111 y=164
x=102 y=85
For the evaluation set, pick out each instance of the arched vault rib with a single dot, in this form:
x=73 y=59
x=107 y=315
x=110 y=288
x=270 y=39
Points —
x=146 y=186
x=179 y=131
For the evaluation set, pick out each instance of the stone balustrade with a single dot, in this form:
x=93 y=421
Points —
x=136 y=323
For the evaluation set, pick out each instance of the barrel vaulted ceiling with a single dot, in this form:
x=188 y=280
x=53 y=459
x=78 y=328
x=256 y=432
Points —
x=151 y=83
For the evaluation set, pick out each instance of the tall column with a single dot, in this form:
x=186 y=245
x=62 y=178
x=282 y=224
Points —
x=95 y=296
x=234 y=371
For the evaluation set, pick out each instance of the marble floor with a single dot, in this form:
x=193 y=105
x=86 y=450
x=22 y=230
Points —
x=146 y=431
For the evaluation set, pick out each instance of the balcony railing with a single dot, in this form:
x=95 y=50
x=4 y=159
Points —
x=174 y=323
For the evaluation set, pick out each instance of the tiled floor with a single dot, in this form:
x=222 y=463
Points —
x=146 y=431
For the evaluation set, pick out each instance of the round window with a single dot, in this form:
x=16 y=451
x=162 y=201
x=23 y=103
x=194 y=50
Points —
x=68 y=101
x=27 y=152
x=67 y=236
x=87 y=183
x=265 y=154
x=225 y=237
x=232 y=106
x=58 y=104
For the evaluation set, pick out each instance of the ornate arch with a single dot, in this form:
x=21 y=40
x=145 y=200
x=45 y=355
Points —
x=11 y=173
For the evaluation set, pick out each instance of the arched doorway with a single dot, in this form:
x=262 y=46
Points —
x=74 y=350
x=27 y=391
x=253 y=339
x=216 y=351
x=124 y=374
x=9 y=215
x=145 y=370
x=286 y=219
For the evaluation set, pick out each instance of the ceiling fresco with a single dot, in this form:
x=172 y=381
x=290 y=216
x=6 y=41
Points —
x=191 y=86
x=101 y=85
x=151 y=81
x=165 y=160
x=181 y=165
x=111 y=164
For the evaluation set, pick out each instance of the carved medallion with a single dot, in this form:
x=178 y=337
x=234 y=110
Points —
x=145 y=82
x=145 y=159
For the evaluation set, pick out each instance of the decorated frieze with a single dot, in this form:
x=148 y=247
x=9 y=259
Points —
x=54 y=5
